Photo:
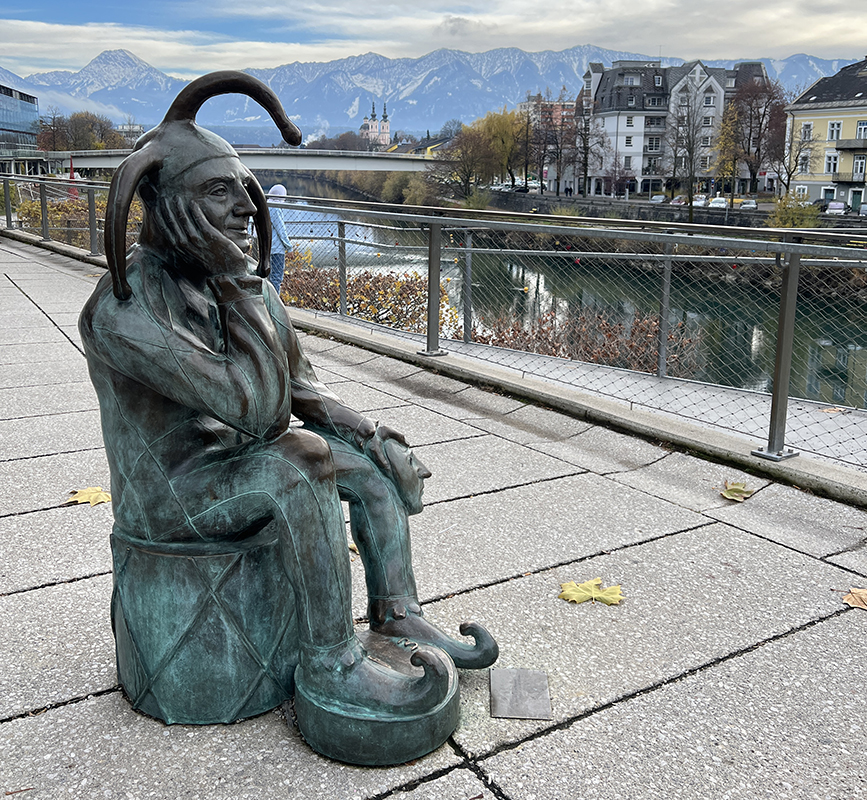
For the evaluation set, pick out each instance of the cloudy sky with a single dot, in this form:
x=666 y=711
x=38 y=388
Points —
x=190 y=37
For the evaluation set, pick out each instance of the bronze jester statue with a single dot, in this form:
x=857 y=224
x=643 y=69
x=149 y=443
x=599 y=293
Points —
x=198 y=372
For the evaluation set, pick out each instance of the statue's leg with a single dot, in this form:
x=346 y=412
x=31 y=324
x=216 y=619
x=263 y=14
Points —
x=380 y=529
x=291 y=479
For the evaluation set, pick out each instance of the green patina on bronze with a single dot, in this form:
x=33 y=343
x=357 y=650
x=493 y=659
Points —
x=232 y=583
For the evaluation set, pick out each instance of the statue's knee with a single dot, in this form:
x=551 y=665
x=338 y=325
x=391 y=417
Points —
x=310 y=453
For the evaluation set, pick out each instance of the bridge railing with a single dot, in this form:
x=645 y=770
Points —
x=758 y=331
x=682 y=318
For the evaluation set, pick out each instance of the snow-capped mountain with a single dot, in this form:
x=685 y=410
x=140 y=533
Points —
x=420 y=93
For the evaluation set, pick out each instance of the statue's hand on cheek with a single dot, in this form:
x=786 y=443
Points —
x=190 y=232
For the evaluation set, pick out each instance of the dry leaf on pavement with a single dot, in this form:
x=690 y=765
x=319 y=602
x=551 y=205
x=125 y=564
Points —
x=92 y=494
x=590 y=590
x=857 y=598
x=736 y=491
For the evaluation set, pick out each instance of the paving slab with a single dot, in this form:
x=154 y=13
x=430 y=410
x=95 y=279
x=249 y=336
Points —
x=475 y=541
x=797 y=519
x=54 y=398
x=688 y=481
x=531 y=423
x=38 y=353
x=42 y=373
x=47 y=547
x=691 y=599
x=422 y=426
x=603 y=451
x=44 y=482
x=364 y=398
x=100 y=747
x=484 y=464
x=53 y=433
x=23 y=316
x=856 y=560
x=376 y=369
x=460 y=784
x=796 y=731
x=472 y=403
x=57 y=645
x=44 y=334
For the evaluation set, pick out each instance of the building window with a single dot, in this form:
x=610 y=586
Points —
x=858 y=165
x=629 y=80
x=704 y=162
x=627 y=162
x=654 y=122
x=630 y=122
x=653 y=101
x=834 y=131
x=707 y=122
x=710 y=100
x=830 y=162
x=654 y=144
x=730 y=83
x=807 y=131
x=804 y=163
x=801 y=191
x=629 y=141
x=861 y=129
x=705 y=141
x=630 y=101
x=652 y=166
x=657 y=80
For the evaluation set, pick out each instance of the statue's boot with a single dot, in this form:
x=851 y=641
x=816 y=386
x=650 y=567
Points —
x=402 y=618
x=354 y=709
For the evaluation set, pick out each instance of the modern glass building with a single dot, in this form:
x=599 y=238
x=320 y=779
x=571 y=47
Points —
x=19 y=122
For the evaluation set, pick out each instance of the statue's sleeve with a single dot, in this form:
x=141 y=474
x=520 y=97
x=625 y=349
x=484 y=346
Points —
x=244 y=383
x=312 y=401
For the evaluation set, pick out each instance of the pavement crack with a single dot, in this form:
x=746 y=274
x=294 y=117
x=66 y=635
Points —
x=47 y=316
x=505 y=488
x=55 y=583
x=654 y=687
x=49 y=455
x=410 y=786
x=35 y=712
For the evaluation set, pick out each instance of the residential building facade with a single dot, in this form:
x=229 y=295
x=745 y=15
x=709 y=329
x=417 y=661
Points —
x=828 y=138
x=661 y=122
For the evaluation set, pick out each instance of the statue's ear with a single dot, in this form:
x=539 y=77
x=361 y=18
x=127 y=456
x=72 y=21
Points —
x=120 y=196
x=262 y=220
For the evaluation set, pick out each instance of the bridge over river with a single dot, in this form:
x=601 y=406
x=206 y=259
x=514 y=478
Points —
x=277 y=158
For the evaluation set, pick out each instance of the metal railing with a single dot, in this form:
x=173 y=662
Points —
x=758 y=331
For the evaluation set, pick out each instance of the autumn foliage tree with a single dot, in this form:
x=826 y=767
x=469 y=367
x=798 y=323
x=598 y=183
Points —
x=760 y=107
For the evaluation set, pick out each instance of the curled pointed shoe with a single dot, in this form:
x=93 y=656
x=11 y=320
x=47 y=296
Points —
x=479 y=655
x=353 y=709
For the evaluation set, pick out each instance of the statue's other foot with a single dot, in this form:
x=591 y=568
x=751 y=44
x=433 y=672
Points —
x=403 y=618
x=354 y=709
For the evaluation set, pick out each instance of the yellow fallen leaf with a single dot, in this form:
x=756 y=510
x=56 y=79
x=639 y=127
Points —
x=857 y=598
x=92 y=494
x=590 y=590
x=736 y=491
x=832 y=410
x=353 y=547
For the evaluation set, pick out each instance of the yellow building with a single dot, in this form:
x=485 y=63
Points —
x=828 y=141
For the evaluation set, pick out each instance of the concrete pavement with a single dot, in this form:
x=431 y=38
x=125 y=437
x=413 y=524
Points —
x=732 y=669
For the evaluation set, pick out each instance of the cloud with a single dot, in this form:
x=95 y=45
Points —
x=222 y=34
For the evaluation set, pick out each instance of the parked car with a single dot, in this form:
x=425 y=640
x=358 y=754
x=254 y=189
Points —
x=680 y=200
x=749 y=205
x=659 y=198
x=718 y=202
x=863 y=210
x=699 y=201
x=821 y=203
x=837 y=207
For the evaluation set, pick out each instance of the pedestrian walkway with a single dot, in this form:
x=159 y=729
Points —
x=731 y=669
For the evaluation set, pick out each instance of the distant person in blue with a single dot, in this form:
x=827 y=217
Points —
x=279 y=238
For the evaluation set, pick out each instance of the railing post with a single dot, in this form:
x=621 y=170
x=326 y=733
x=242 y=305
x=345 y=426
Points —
x=91 y=222
x=8 y=202
x=664 y=303
x=43 y=204
x=341 y=264
x=776 y=449
x=467 y=287
x=433 y=291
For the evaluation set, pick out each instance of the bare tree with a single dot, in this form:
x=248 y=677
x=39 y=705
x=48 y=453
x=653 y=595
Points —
x=467 y=160
x=53 y=131
x=759 y=106
x=591 y=144
x=688 y=136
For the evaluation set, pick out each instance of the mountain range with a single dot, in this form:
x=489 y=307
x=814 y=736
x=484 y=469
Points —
x=325 y=98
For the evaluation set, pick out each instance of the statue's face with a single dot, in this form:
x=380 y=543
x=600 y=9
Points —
x=408 y=474
x=219 y=188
